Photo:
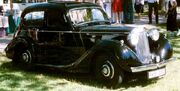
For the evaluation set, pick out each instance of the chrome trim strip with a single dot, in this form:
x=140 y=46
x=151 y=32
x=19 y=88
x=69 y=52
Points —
x=85 y=32
x=151 y=66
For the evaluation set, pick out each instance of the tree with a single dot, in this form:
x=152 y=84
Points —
x=11 y=4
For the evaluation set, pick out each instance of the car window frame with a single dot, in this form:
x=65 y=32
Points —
x=74 y=24
x=27 y=23
x=63 y=23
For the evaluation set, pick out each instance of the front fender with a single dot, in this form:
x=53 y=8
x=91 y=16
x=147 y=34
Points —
x=165 y=49
x=126 y=57
x=162 y=47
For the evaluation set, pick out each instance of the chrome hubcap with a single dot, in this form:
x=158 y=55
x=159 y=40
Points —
x=107 y=70
x=25 y=57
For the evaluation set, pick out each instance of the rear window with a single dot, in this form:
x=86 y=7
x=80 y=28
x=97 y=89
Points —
x=15 y=1
x=34 y=19
x=23 y=1
x=38 y=15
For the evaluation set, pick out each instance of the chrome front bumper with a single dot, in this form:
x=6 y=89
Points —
x=151 y=66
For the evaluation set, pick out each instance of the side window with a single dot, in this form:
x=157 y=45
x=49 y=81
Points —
x=19 y=1
x=37 y=15
x=80 y=15
x=34 y=19
x=56 y=19
x=96 y=14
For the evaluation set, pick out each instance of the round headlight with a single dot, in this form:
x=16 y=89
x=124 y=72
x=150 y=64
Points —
x=154 y=34
x=134 y=38
x=134 y=35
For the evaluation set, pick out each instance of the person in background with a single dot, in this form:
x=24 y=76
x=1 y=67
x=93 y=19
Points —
x=166 y=5
x=107 y=7
x=80 y=0
x=171 y=16
x=117 y=10
x=12 y=24
x=1 y=21
x=100 y=2
x=1 y=10
x=139 y=7
x=77 y=0
x=128 y=11
x=153 y=5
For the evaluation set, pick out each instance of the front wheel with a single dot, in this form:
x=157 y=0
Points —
x=108 y=72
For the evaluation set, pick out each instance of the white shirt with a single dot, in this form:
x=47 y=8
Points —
x=173 y=3
x=152 y=1
x=139 y=2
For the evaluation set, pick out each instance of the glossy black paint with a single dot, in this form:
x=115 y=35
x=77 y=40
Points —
x=74 y=47
x=162 y=47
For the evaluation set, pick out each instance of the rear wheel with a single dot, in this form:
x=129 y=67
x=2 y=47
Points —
x=108 y=72
x=26 y=57
x=23 y=57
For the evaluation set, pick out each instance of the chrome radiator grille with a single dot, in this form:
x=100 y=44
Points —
x=142 y=48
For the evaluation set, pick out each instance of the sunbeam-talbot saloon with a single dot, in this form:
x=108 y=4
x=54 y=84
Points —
x=78 y=37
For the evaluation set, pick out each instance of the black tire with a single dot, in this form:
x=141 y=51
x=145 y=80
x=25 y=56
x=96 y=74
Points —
x=24 y=57
x=108 y=72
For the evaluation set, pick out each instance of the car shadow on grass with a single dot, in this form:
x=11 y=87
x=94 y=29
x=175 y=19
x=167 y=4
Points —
x=138 y=82
x=19 y=74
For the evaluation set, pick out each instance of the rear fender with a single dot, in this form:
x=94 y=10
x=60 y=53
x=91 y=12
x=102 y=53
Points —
x=16 y=44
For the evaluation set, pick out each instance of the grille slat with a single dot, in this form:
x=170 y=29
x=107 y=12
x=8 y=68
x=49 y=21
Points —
x=142 y=48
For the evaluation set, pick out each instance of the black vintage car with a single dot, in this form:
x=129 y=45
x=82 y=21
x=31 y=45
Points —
x=78 y=37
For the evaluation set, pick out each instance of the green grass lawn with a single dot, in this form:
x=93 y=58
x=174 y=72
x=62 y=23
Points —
x=18 y=79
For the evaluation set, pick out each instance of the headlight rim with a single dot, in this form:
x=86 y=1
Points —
x=154 y=34
x=134 y=35
x=133 y=39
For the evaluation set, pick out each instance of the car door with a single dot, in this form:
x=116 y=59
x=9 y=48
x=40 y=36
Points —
x=33 y=24
x=61 y=45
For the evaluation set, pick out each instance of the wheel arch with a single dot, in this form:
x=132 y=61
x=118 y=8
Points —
x=165 y=50
x=116 y=74
x=21 y=44
x=124 y=56
x=106 y=47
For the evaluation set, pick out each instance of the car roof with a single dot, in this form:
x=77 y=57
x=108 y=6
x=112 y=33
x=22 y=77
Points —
x=73 y=4
x=61 y=5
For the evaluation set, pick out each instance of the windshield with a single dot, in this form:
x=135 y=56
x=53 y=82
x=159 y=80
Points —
x=84 y=15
